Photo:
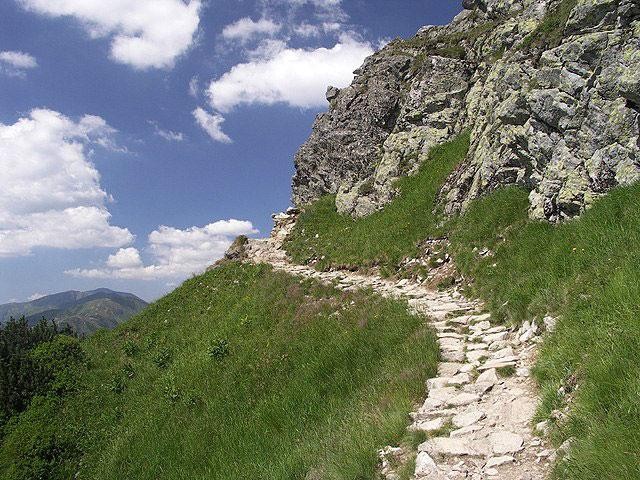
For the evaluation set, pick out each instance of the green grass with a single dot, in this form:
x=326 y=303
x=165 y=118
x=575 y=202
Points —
x=504 y=372
x=385 y=237
x=240 y=373
x=548 y=34
x=587 y=271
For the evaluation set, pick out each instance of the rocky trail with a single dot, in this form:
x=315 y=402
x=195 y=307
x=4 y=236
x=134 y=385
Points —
x=478 y=411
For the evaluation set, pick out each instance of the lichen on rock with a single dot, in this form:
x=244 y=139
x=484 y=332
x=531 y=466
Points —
x=549 y=89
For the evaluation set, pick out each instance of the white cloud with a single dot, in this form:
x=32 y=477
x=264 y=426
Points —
x=51 y=194
x=194 y=87
x=268 y=48
x=36 y=296
x=246 y=29
x=144 y=33
x=168 y=135
x=19 y=60
x=15 y=63
x=212 y=124
x=328 y=10
x=307 y=30
x=125 y=258
x=176 y=253
x=297 y=77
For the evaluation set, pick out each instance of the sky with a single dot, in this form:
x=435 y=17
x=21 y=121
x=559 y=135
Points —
x=139 y=137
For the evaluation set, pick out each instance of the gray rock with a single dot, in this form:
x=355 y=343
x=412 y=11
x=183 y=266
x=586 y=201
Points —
x=503 y=442
x=498 y=461
x=425 y=466
x=451 y=447
x=462 y=399
x=468 y=418
x=560 y=120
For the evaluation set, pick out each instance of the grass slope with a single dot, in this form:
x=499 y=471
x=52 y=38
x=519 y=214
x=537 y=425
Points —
x=385 y=237
x=586 y=271
x=240 y=373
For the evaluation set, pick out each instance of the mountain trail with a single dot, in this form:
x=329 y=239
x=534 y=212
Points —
x=478 y=411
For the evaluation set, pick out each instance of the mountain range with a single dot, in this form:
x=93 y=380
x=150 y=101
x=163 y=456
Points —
x=84 y=312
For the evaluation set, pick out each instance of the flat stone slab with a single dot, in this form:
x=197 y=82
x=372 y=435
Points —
x=451 y=335
x=465 y=431
x=448 y=369
x=430 y=404
x=463 y=399
x=498 y=461
x=443 y=394
x=429 y=426
x=460 y=379
x=481 y=326
x=488 y=376
x=494 y=337
x=449 y=447
x=503 y=442
x=468 y=418
x=497 y=329
x=476 y=355
x=502 y=362
x=479 y=318
x=450 y=356
x=479 y=388
x=504 y=353
x=462 y=320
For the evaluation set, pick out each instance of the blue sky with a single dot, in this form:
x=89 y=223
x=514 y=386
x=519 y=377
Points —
x=136 y=141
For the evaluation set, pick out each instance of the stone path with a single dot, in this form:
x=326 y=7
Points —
x=478 y=411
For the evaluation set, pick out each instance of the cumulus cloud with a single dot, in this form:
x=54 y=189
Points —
x=125 y=258
x=16 y=63
x=144 y=33
x=212 y=124
x=245 y=29
x=176 y=253
x=51 y=194
x=168 y=135
x=296 y=77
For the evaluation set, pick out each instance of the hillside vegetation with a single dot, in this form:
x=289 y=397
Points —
x=239 y=373
x=584 y=271
x=385 y=237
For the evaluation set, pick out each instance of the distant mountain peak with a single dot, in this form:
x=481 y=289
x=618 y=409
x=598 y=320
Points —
x=85 y=312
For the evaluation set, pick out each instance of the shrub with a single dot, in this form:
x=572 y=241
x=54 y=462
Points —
x=219 y=350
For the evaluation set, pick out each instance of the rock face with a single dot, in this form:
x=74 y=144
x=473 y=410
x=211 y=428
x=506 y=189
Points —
x=549 y=90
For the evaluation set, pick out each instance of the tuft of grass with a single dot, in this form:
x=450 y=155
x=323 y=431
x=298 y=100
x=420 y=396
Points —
x=443 y=431
x=382 y=238
x=239 y=373
x=548 y=34
x=507 y=371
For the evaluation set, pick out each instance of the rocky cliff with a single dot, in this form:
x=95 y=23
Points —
x=549 y=89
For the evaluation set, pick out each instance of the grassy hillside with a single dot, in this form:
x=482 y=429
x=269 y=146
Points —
x=585 y=271
x=240 y=373
x=385 y=237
